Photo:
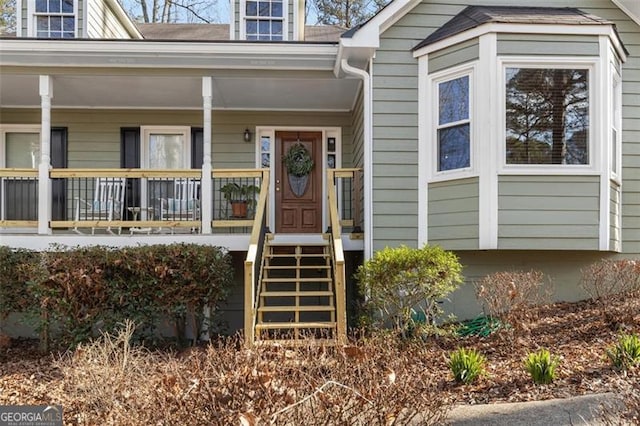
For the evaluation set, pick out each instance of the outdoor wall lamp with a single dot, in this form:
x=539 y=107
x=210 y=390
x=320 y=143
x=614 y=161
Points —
x=247 y=135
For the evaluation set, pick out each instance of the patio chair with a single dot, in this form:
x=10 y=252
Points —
x=185 y=203
x=107 y=204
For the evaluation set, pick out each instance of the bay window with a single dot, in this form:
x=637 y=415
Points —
x=547 y=115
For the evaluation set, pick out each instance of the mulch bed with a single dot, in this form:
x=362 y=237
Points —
x=577 y=332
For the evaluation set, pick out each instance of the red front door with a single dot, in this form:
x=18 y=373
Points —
x=299 y=201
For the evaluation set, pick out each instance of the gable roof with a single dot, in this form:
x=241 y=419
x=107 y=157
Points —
x=474 y=16
x=220 y=32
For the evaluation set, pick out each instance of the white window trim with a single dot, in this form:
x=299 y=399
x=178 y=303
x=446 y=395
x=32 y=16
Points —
x=595 y=123
x=243 y=20
x=616 y=122
x=470 y=70
x=13 y=128
x=146 y=131
x=327 y=132
x=31 y=18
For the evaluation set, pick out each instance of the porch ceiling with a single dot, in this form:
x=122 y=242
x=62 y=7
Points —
x=293 y=90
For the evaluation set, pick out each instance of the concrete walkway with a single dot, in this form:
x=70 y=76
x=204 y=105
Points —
x=576 y=411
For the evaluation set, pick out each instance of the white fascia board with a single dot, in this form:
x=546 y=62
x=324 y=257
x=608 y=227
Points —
x=494 y=27
x=128 y=54
x=630 y=7
x=124 y=19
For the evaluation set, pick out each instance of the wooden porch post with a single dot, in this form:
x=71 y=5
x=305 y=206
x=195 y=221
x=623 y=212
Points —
x=206 y=196
x=44 y=183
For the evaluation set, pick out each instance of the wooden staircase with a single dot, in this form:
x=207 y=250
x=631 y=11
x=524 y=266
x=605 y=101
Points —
x=296 y=297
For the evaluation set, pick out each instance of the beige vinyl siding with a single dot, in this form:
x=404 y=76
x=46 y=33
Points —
x=547 y=44
x=548 y=212
x=290 y=34
x=25 y=17
x=80 y=18
x=453 y=214
x=103 y=23
x=94 y=135
x=454 y=55
x=614 y=217
x=236 y=18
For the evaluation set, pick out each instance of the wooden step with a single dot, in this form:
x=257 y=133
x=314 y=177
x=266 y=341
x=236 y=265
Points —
x=293 y=325
x=293 y=267
x=292 y=308
x=295 y=293
x=300 y=341
x=297 y=280
x=290 y=244
x=294 y=255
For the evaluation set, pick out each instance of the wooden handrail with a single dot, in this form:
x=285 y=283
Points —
x=249 y=263
x=146 y=173
x=338 y=254
x=10 y=173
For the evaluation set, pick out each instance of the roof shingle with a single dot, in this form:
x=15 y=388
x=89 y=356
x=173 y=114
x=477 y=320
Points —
x=474 y=16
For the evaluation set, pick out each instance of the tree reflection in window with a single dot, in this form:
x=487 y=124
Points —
x=454 y=136
x=547 y=116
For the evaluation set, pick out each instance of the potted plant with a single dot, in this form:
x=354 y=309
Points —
x=240 y=197
x=299 y=164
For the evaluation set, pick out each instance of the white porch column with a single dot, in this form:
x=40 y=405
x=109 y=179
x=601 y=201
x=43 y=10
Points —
x=206 y=183
x=44 y=183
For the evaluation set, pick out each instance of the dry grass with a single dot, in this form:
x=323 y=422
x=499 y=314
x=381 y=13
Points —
x=376 y=382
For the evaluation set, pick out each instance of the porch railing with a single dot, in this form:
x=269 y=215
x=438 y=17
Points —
x=346 y=214
x=348 y=187
x=142 y=200
x=18 y=198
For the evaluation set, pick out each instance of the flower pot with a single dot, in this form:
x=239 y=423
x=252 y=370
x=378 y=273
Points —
x=239 y=209
x=298 y=184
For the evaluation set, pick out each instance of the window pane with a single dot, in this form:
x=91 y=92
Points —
x=276 y=37
x=252 y=8
x=263 y=8
x=453 y=99
x=54 y=6
x=67 y=6
x=42 y=23
x=56 y=23
x=41 y=5
x=276 y=9
x=276 y=27
x=453 y=147
x=55 y=34
x=166 y=151
x=547 y=116
x=68 y=24
x=252 y=26
x=23 y=150
x=265 y=27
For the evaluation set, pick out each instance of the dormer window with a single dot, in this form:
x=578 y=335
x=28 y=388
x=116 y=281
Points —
x=54 y=19
x=264 y=20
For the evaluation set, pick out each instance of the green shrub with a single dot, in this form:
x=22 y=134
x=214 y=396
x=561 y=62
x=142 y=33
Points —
x=541 y=366
x=625 y=353
x=466 y=365
x=397 y=281
x=14 y=291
